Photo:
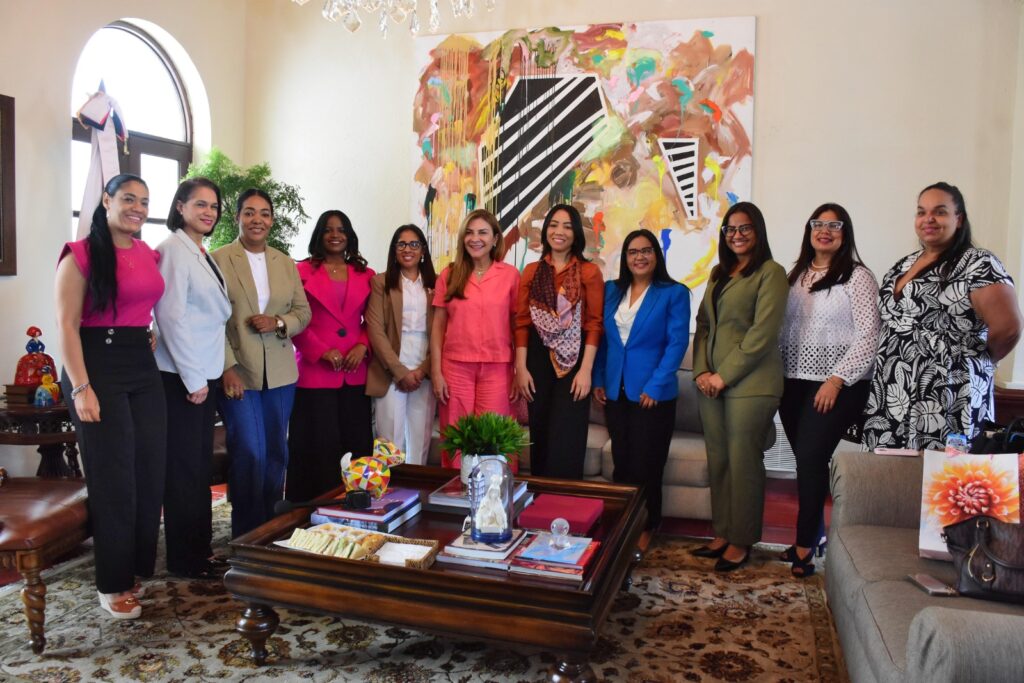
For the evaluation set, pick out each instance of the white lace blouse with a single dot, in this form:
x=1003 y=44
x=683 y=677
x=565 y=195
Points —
x=831 y=332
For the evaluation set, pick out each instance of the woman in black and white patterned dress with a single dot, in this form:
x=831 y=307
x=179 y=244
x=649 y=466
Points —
x=949 y=313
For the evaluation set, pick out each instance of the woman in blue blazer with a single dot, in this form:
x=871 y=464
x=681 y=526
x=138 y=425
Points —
x=646 y=332
x=190 y=319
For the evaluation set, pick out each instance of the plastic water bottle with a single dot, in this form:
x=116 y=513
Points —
x=956 y=444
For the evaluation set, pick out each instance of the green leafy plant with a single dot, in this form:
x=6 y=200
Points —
x=485 y=434
x=233 y=180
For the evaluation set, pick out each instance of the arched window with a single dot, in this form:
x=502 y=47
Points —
x=137 y=72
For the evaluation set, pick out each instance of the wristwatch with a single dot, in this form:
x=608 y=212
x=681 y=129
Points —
x=281 y=330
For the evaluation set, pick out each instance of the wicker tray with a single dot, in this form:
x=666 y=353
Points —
x=421 y=563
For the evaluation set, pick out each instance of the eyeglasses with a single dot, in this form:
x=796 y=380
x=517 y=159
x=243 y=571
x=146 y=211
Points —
x=643 y=251
x=831 y=226
x=730 y=230
x=415 y=245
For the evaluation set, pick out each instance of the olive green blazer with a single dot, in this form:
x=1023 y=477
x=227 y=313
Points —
x=741 y=342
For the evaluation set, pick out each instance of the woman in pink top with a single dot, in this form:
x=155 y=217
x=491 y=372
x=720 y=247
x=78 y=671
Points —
x=331 y=415
x=105 y=295
x=471 y=336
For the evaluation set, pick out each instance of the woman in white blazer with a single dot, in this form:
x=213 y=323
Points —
x=190 y=318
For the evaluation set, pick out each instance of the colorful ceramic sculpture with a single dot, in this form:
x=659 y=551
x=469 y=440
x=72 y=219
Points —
x=30 y=366
x=47 y=393
x=371 y=473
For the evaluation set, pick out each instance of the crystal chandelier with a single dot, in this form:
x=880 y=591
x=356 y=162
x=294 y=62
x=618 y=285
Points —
x=396 y=11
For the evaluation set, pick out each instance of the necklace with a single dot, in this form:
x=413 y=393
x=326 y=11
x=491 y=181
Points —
x=817 y=269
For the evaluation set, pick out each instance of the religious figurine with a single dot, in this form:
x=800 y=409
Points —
x=490 y=501
x=490 y=515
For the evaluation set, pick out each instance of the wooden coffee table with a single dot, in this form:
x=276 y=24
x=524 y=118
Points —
x=446 y=599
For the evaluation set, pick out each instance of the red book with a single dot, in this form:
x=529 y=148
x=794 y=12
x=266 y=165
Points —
x=581 y=513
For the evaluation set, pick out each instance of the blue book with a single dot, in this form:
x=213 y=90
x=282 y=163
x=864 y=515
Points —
x=541 y=550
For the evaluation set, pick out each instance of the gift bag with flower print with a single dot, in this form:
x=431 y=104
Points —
x=958 y=487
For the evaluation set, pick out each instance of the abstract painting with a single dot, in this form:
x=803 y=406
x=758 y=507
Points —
x=638 y=125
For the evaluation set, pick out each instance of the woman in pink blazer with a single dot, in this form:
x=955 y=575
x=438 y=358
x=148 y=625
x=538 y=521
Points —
x=331 y=415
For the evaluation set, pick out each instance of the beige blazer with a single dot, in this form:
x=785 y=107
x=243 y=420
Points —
x=741 y=341
x=384 y=326
x=256 y=355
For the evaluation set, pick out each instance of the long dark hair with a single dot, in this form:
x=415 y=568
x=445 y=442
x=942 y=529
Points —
x=394 y=271
x=625 y=278
x=579 y=240
x=462 y=266
x=316 y=241
x=102 y=279
x=840 y=269
x=762 y=251
x=175 y=221
x=961 y=238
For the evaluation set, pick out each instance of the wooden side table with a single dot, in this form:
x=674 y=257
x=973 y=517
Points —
x=50 y=429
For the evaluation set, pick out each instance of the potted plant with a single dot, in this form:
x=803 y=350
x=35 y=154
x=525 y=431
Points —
x=485 y=434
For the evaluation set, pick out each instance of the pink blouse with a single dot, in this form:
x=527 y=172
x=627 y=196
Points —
x=480 y=326
x=139 y=285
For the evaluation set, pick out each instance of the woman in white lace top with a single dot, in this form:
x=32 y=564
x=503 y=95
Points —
x=828 y=344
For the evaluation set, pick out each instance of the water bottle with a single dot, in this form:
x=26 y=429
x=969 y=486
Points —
x=956 y=444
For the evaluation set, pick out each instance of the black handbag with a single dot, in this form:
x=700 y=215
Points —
x=995 y=438
x=989 y=558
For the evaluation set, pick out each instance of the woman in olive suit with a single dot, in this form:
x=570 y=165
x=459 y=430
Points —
x=738 y=370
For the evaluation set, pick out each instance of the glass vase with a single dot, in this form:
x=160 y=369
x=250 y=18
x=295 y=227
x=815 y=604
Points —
x=490 y=500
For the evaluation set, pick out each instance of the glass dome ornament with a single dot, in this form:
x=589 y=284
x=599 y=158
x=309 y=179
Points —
x=490 y=500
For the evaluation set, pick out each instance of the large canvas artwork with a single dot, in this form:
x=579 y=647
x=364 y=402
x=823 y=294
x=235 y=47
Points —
x=636 y=124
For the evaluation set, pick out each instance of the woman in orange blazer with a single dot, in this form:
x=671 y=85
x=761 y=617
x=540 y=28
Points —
x=398 y=319
x=331 y=415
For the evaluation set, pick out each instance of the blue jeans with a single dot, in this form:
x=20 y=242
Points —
x=257 y=441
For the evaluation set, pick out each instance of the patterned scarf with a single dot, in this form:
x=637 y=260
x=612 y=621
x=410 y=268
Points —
x=558 y=316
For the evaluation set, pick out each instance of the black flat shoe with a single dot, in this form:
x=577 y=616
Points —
x=724 y=565
x=218 y=563
x=201 y=573
x=709 y=552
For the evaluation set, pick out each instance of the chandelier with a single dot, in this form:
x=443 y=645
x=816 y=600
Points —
x=393 y=11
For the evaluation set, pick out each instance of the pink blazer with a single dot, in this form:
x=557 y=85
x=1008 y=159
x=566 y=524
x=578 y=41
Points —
x=324 y=330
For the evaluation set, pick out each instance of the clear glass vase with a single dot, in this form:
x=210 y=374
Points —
x=490 y=500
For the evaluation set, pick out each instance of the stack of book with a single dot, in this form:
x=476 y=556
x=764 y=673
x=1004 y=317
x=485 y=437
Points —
x=385 y=514
x=453 y=497
x=540 y=558
x=20 y=394
x=469 y=553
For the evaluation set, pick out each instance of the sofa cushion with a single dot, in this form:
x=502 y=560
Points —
x=597 y=439
x=687 y=463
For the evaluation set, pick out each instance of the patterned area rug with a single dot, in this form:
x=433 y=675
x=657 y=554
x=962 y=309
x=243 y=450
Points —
x=679 y=622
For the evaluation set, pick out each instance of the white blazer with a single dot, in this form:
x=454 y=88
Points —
x=192 y=314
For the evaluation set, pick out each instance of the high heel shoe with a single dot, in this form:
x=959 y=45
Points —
x=803 y=566
x=724 y=565
x=709 y=551
x=789 y=554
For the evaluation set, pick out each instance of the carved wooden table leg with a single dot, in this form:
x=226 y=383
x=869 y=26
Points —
x=33 y=595
x=257 y=623
x=71 y=455
x=51 y=462
x=572 y=669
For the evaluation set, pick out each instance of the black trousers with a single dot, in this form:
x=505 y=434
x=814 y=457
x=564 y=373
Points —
x=325 y=424
x=640 y=442
x=124 y=454
x=187 y=514
x=558 y=424
x=814 y=437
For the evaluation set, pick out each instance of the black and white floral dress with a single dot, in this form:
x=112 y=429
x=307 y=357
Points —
x=933 y=374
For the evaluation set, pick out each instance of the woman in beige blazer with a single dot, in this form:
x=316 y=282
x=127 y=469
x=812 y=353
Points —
x=268 y=307
x=738 y=369
x=398 y=318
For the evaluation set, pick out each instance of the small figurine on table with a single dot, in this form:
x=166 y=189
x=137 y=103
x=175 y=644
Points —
x=491 y=516
x=30 y=366
x=48 y=393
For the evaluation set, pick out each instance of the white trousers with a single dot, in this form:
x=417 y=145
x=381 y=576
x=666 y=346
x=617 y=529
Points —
x=407 y=418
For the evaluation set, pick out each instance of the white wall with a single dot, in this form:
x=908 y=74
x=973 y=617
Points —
x=39 y=47
x=863 y=103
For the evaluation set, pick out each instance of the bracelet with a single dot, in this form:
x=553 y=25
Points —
x=840 y=385
x=79 y=389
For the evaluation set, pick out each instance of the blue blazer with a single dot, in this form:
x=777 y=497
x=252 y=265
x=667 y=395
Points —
x=657 y=342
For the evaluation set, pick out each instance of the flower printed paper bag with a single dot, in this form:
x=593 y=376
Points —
x=958 y=487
